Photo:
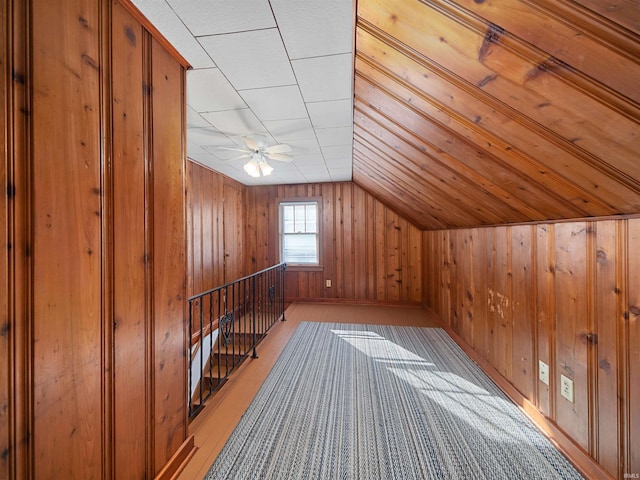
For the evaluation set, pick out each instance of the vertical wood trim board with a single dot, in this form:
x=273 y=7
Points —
x=92 y=217
x=15 y=269
x=562 y=293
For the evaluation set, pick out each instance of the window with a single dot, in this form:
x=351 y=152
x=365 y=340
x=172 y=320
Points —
x=299 y=233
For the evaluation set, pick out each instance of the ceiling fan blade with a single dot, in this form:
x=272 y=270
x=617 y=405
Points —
x=235 y=149
x=251 y=143
x=246 y=155
x=281 y=148
x=281 y=157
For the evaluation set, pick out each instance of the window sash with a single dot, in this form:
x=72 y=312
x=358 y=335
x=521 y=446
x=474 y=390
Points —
x=299 y=233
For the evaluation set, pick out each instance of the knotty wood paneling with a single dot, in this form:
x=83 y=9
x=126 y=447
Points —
x=66 y=306
x=545 y=301
x=629 y=351
x=129 y=266
x=497 y=112
x=167 y=270
x=93 y=218
x=607 y=309
x=571 y=327
x=564 y=293
x=217 y=224
x=370 y=253
x=233 y=228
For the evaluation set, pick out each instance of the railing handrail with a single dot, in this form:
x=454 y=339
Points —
x=228 y=284
x=225 y=325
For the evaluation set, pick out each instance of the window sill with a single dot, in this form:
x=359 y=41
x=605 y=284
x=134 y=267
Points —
x=304 y=268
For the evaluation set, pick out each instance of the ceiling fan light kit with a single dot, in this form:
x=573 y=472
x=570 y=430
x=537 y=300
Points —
x=259 y=152
x=258 y=164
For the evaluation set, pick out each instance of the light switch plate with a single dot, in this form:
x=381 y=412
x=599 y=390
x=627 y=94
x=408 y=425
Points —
x=543 y=372
x=328 y=283
x=566 y=388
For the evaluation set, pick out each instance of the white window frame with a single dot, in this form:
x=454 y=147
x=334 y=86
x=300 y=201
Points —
x=301 y=201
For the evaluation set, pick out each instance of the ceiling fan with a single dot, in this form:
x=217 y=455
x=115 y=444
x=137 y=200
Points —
x=258 y=150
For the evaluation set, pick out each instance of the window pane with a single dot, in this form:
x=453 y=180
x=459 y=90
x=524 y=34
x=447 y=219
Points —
x=311 y=220
x=299 y=218
x=287 y=218
x=300 y=248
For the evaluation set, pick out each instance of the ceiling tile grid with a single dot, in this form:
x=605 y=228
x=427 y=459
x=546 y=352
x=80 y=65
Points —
x=453 y=113
x=278 y=68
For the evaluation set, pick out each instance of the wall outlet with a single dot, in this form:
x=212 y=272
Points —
x=566 y=388
x=543 y=372
x=328 y=283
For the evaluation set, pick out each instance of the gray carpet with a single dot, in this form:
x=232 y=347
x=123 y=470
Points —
x=380 y=402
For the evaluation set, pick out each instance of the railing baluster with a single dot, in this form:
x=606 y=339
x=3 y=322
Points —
x=245 y=310
x=254 y=333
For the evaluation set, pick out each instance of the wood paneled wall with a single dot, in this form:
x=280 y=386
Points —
x=92 y=216
x=370 y=253
x=216 y=232
x=566 y=294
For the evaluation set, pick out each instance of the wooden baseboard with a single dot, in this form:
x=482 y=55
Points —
x=581 y=460
x=350 y=301
x=178 y=461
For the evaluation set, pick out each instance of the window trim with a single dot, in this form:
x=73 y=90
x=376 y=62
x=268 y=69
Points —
x=307 y=267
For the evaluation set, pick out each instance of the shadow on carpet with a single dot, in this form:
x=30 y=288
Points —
x=381 y=402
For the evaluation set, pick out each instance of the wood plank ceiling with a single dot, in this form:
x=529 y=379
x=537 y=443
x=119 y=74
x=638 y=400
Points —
x=477 y=112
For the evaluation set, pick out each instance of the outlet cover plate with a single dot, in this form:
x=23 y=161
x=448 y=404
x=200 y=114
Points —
x=566 y=388
x=543 y=372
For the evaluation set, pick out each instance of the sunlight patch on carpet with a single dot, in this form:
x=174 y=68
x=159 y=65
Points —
x=383 y=402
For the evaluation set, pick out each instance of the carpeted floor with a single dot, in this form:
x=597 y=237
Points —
x=381 y=402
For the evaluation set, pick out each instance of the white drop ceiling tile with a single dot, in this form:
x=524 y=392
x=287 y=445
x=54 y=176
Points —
x=233 y=169
x=195 y=149
x=252 y=59
x=312 y=28
x=195 y=120
x=337 y=151
x=209 y=91
x=317 y=177
x=307 y=146
x=339 y=163
x=209 y=17
x=337 y=113
x=285 y=179
x=235 y=122
x=284 y=168
x=325 y=78
x=206 y=160
x=162 y=16
x=341 y=175
x=328 y=137
x=285 y=130
x=269 y=180
x=275 y=103
x=221 y=152
x=304 y=160
x=316 y=170
x=290 y=174
x=205 y=137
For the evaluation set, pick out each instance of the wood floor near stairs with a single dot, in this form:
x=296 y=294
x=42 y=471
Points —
x=213 y=426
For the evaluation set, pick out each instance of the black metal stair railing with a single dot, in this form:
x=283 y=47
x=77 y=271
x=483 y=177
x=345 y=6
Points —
x=225 y=326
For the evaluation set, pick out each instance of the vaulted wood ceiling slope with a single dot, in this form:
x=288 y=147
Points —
x=477 y=112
